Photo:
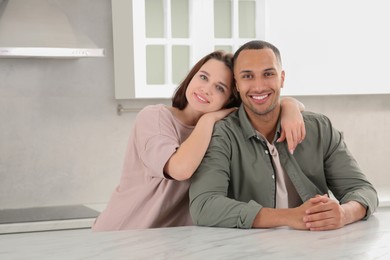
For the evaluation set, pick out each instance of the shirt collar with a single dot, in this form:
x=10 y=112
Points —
x=247 y=127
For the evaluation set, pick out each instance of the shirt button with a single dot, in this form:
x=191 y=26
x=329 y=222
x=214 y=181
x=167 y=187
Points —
x=273 y=176
x=266 y=151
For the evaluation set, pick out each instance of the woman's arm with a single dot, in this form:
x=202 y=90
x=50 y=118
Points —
x=186 y=159
x=293 y=126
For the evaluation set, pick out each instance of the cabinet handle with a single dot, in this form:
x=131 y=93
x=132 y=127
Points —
x=120 y=109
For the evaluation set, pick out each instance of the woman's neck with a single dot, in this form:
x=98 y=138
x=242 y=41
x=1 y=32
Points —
x=186 y=116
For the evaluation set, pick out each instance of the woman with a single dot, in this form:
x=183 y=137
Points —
x=167 y=144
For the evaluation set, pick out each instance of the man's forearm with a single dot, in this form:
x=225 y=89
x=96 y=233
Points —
x=270 y=218
x=354 y=211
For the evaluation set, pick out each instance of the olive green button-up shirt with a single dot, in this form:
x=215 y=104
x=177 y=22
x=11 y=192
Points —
x=236 y=177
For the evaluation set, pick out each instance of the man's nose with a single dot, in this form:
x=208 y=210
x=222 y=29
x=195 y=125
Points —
x=259 y=83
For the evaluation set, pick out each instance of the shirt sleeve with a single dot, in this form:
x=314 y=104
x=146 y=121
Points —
x=209 y=201
x=344 y=177
x=155 y=140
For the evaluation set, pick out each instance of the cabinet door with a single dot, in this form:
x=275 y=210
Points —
x=156 y=42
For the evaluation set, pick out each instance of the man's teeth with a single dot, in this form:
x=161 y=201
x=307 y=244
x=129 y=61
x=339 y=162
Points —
x=259 y=97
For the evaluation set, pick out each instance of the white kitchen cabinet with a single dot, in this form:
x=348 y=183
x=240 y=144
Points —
x=328 y=47
x=156 y=42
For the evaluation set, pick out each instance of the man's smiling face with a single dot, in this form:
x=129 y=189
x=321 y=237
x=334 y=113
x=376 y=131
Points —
x=259 y=78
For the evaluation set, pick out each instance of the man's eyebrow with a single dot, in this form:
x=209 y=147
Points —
x=245 y=71
x=249 y=71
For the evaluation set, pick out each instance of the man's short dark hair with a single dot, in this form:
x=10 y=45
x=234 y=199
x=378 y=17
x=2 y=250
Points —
x=258 y=45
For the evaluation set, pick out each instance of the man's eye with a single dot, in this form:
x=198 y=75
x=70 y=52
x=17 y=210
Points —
x=247 y=76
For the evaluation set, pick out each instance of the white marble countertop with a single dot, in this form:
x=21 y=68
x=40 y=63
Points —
x=361 y=240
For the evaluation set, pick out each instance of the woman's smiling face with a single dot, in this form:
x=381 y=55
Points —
x=210 y=88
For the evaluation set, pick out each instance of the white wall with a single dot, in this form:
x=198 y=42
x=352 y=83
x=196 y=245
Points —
x=365 y=122
x=339 y=45
x=61 y=141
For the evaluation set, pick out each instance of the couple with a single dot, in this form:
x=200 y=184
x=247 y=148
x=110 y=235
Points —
x=265 y=165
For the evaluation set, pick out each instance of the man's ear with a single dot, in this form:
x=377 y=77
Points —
x=283 y=75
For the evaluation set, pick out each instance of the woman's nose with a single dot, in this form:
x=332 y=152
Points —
x=206 y=89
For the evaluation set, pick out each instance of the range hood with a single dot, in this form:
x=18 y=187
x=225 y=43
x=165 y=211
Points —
x=40 y=29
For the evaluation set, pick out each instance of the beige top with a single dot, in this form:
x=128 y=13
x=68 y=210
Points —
x=286 y=194
x=145 y=198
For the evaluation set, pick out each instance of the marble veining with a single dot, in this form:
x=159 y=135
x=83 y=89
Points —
x=362 y=240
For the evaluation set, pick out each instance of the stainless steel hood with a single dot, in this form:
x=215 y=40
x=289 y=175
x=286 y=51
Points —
x=40 y=29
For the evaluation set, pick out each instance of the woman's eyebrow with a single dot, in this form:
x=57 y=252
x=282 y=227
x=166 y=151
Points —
x=223 y=84
x=205 y=72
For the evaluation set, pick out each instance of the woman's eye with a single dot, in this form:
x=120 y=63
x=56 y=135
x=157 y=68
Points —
x=203 y=77
x=220 y=88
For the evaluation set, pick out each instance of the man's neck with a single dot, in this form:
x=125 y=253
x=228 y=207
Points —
x=265 y=124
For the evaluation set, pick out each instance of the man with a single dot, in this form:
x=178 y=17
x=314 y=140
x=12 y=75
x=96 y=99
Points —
x=248 y=180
